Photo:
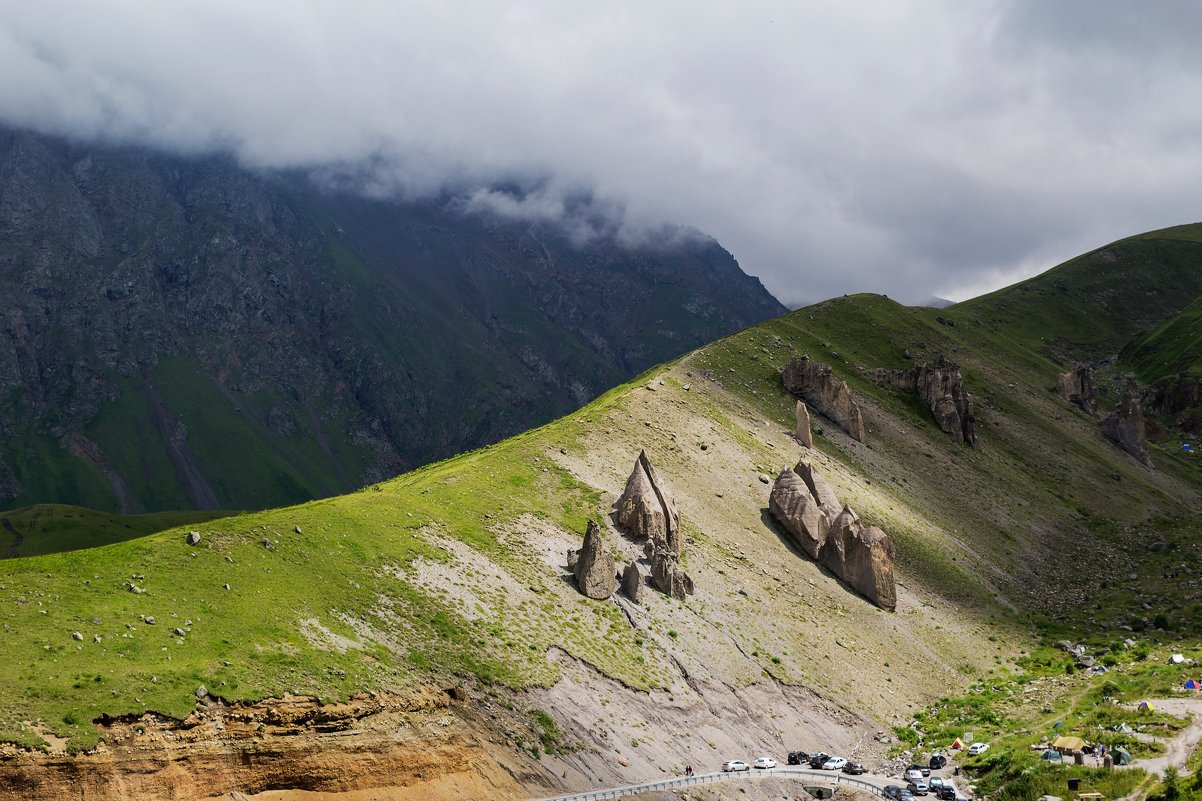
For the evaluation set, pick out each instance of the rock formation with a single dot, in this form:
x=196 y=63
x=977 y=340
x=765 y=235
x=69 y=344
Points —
x=941 y=387
x=1076 y=387
x=595 y=573
x=1125 y=427
x=795 y=505
x=646 y=508
x=815 y=383
x=667 y=576
x=632 y=583
x=862 y=556
x=804 y=434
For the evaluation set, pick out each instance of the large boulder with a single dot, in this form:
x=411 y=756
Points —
x=596 y=576
x=646 y=508
x=1125 y=427
x=804 y=434
x=834 y=536
x=667 y=575
x=632 y=582
x=816 y=384
x=1076 y=387
x=795 y=506
x=941 y=387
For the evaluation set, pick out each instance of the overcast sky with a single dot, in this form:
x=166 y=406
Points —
x=911 y=148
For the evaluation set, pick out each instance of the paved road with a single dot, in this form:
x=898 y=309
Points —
x=868 y=782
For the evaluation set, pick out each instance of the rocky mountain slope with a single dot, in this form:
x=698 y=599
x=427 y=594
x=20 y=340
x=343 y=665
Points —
x=454 y=581
x=182 y=332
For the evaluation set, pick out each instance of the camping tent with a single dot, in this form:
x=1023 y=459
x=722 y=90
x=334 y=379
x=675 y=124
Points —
x=1146 y=706
x=1121 y=755
x=1068 y=745
x=1051 y=755
x=1176 y=659
x=1123 y=728
x=1192 y=685
x=957 y=745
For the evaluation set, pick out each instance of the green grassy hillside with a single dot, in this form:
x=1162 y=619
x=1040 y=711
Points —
x=1172 y=348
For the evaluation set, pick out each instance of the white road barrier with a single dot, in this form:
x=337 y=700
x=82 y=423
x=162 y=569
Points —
x=823 y=777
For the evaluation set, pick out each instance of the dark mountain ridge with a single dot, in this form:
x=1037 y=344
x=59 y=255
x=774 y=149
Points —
x=183 y=332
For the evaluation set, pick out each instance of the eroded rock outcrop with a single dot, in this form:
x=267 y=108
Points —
x=667 y=575
x=816 y=384
x=941 y=387
x=646 y=508
x=833 y=535
x=1125 y=427
x=595 y=573
x=804 y=434
x=632 y=583
x=1076 y=387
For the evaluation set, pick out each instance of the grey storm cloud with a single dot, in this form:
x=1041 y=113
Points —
x=918 y=148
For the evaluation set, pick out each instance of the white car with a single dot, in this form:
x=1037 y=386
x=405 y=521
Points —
x=734 y=765
x=913 y=775
x=764 y=763
x=977 y=748
x=834 y=763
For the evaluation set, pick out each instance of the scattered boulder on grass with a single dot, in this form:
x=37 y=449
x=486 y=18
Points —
x=1076 y=387
x=833 y=535
x=595 y=574
x=646 y=509
x=193 y=538
x=816 y=384
x=1125 y=428
x=632 y=583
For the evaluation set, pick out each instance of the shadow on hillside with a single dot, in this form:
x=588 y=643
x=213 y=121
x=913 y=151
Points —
x=786 y=539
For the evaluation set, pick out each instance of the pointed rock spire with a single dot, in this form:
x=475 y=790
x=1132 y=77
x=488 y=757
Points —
x=804 y=434
x=646 y=508
x=595 y=573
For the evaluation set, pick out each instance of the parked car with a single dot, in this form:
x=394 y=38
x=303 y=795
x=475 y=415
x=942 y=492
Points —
x=734 y=765
x=798 y=758
x=892 y=790
x=765 y=762
x=934 y=783
x=834 y=763
x=905 y=795
x=946 y=793
x=918 y=787
x=913 y=775
x=817 y=760
x=854 y=768
x=938 y=761
x=977 y=748
x=923 y=769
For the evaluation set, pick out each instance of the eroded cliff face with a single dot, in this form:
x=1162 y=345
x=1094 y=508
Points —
x=422 y=745
x=184 y=332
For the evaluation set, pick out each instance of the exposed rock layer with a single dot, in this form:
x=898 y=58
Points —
x=833 y=535
x=1076 y=387
x=816 y=383
x=1125 y=427
x=804 y=433
x=941 y=387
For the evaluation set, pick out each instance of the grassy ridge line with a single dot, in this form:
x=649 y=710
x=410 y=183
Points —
x=1173 y=347
x=322 y=599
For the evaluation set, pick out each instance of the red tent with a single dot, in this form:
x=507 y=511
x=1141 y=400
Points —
x=957 y=745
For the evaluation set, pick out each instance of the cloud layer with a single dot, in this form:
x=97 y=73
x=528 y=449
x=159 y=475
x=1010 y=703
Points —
x=930 y=147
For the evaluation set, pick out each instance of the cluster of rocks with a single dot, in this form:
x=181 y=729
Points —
x=833 y=535
x=1125 y=427
x=815 y=383
x=1077 y=651
x=941 y=387
x=645 y=512
x=1076 y=387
